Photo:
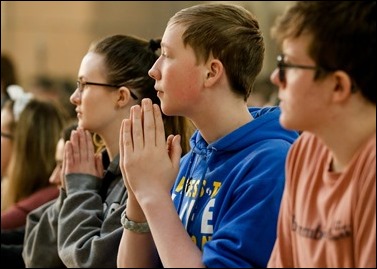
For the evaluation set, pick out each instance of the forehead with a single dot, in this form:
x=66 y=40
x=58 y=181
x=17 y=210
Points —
x=172 y=37
x=296 y=47
x=92 y=65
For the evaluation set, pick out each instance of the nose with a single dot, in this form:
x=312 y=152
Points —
x=75 y=97
x=55 y=176
x=275 y=77
x=154 y=72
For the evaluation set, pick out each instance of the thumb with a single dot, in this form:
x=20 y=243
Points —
x=176 y=151
x=99 y=165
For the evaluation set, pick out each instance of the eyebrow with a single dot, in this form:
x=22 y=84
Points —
x=164 y=45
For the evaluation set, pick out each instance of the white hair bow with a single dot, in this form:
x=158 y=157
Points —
x=20 y=98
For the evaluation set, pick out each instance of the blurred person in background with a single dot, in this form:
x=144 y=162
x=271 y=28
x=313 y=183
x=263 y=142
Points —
x=8 y=76
x=10 y=112
x=32 y=158
x=12 y=239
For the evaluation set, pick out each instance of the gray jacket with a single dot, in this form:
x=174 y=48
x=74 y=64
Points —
x=80 y=228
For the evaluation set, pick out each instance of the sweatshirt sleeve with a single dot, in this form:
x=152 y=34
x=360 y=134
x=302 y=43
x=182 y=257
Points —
x=15 y=216
x=40 y=242
x=86 y=238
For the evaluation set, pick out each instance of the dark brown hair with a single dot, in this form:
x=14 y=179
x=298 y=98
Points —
x=343 y=37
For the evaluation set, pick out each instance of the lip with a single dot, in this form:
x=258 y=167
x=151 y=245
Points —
x=78 y=113
x=159 y=94
x=158 y=91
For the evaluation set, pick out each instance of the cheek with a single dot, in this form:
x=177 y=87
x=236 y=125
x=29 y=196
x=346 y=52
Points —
x=91 y=108
x=186 y=85
x=99 y=114
x=301 y=108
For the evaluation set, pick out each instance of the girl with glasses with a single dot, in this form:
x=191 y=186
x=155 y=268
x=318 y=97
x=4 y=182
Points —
x=82 y=228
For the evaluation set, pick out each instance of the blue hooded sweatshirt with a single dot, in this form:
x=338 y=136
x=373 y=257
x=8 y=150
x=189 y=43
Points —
x=232 y=191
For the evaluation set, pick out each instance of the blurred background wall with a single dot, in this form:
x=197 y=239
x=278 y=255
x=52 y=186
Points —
x=50 y=38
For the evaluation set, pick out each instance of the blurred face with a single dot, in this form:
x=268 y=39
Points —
x=6 y=139
x=57 y=175
x=95 y=104
x=178 y=77
x=303 y=101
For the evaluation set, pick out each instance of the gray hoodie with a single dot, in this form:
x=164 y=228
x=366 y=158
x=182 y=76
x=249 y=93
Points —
x=80 y=228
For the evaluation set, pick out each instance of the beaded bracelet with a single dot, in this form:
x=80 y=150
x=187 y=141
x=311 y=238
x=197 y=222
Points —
x=137 y=227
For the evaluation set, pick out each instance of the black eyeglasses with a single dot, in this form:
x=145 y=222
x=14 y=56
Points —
x=81 y=86
x=5 y=135
x=282 y=66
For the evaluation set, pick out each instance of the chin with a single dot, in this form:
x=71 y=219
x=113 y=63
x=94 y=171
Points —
x=164 y=109
x=81 y=124
x=284 y=122
x=168 y=112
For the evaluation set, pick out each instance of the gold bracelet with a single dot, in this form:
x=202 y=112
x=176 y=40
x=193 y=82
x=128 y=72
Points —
x=137 y=227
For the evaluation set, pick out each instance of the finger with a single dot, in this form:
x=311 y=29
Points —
x=123 y=139
x=123 y=143
x=169 y=141
x=75 y=147
x=127 y=145
x=149 y=123
x=62 y=172
x=89 y=144
x=84 y=154
x=175 y=151
x=99 y=165
x=64 y=165
x=121 y=146
x=68 y=157
x=159 y=129
x=137 y=128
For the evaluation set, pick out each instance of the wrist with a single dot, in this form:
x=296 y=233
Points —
x=137 y=227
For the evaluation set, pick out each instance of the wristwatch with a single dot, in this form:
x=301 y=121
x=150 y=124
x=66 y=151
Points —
x=137 y=227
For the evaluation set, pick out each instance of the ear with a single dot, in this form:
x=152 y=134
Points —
x=124 y=96
x=214 y=71
x=343 y=86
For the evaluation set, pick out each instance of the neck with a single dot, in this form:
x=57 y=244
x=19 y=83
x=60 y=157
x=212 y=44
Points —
x=348 y=134
x=221 y=119
x=110 y=137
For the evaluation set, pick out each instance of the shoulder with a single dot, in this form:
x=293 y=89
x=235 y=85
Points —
x=39 y=198
x=369 y=148
x=365 y=160
x=307 y=143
